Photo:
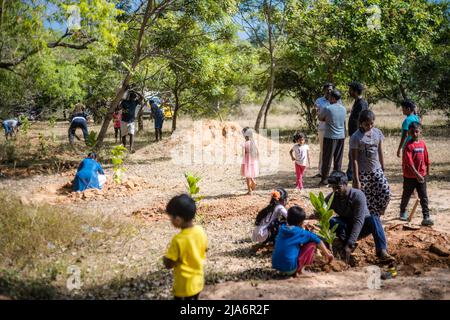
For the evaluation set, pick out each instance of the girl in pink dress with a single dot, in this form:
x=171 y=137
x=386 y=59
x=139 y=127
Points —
x=250 y=164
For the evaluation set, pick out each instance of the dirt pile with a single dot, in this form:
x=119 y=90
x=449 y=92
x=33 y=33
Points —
x=209 y=142
x=416 y=251
x=218 y=209
x=63 y=194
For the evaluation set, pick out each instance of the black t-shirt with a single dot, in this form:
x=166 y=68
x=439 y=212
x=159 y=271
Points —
x=359 y=105
x=129 y=110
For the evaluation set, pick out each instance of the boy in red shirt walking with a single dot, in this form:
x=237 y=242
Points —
x=416 y=165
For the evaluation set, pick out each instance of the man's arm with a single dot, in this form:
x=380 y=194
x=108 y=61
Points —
x=323 y=115
x=356 y=182
x=169 y=264
x=427 y=159
x=402 y=141
x=140 y=97
x=410 y=164
x=381 y=155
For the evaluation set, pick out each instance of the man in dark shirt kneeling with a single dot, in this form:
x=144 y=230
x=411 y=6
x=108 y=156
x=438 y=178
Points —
x=353 y=217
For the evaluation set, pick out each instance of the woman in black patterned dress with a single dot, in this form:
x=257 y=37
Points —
x=366 y=146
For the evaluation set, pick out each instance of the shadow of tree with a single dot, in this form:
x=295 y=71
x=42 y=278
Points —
x=153 y=285
x=286 y=179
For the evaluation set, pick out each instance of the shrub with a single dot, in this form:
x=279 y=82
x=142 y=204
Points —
x=118 y=154
x=192 y=188
x=91 y=140
x=43 y=145
x=322 y=209
x=26 y=124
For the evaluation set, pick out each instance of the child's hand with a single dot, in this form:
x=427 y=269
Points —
x=420 y=178
x=293 y=159
x=357 y=184
x=329 y=257
x=398 y=153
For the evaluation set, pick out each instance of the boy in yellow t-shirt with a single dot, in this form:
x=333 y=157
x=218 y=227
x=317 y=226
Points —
x=187 y=250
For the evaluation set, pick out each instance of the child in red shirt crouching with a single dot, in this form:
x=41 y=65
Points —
x=416 y=165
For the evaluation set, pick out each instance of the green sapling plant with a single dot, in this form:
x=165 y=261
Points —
x=118 y=154
x=324 y=212
x=43 y=145
x=26 y=124
x=52 y=123
x=91 y=140
x=192 y=186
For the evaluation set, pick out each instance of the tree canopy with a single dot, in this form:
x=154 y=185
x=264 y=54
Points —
x=54 y=53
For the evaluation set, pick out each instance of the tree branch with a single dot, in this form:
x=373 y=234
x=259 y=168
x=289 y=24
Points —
x=57 y=43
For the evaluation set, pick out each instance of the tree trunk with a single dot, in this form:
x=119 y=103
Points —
x=120 y=91
x=174 y=118
x=140 y=118
x=308 y=111
x=175 y=113
x=267 y=111
x=271 y=83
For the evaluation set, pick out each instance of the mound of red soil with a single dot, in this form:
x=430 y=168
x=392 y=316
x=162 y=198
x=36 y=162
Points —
x=219 y=209
x=110 y=190
x=415 y=251
x=55 y=193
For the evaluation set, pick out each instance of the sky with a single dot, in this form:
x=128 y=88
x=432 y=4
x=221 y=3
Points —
x=51 y=9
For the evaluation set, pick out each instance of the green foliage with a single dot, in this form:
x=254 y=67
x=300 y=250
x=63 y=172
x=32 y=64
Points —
x=26 y=124
x=118 y=154
x=192 y=185
x=325 y=214
x=52 y=120
x=91 y=140
x=52 y=123
x=50 y=68
x=191 y=50
x=335 y=41
x=43 y=145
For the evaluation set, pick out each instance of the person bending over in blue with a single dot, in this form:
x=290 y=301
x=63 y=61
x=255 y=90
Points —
x=89 y=174
x=11 y=127
x=78 y=120
x=158 y=115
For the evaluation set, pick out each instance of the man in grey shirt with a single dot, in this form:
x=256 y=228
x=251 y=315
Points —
x=333 y=142
x=353 y=218
x=320 y=104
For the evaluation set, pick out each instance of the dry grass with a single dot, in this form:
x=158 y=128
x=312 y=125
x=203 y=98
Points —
x=38 y=243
